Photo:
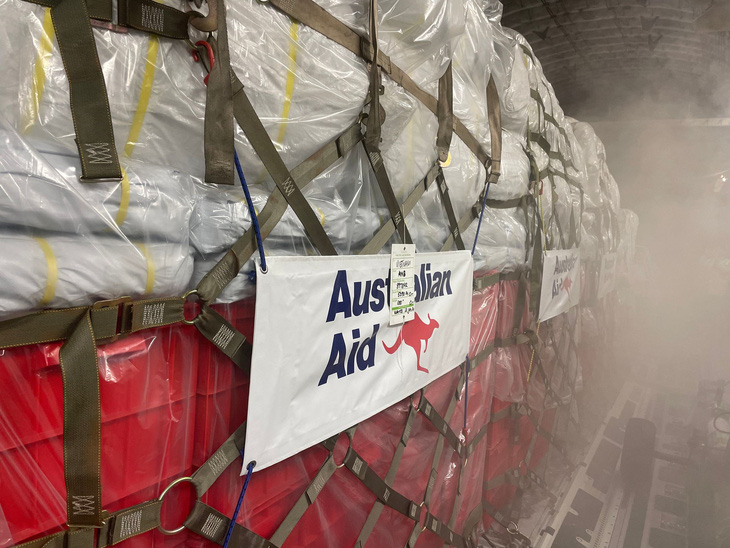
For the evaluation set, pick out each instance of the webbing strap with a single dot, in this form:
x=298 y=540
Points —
x=441 y=425
x=449 y=207
x=445 y=115
x=136 y=520
x=130 y=522
x=474 y=442
x=417 y=529
x=211 y=524
x=153 y=17
x=519 y=309
x=388 y=229
x=89 y=102
x=386 y=189
x=495 y=513
x=472 y=520
x=493 y=279
x=259 y=138
x=545 y=434
x=144 y=15
x=312 y=15
x=371 y=51
x=81 y=426
x=109 y=319
x=218 y=132
x=305 y=501
x=495 y=129
x=223 y=335
x=378 y=487
x=466 y=220
x=377 y=508
x=205 y=476
x=216 y=280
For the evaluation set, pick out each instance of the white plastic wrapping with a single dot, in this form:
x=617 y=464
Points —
x=305 y=88
x=628 y=230
x=150 y=84
x=594 y=157
x=43 y=192
x=85 y=242
x=418 y=35
x=63 y=271
x=341 y=197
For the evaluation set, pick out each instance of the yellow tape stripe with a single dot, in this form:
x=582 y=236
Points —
x=290 y=78
x=39 y=71
x=123 y=200
x=52 y=275
x=150 y=285
x=144 y=95
x=289 y=89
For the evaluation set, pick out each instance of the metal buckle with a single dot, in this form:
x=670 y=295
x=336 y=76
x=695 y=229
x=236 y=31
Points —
x=207 y=23
x=186 y=298
x=121 y=315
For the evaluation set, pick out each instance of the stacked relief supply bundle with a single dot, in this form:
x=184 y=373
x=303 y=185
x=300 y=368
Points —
x=456 y=142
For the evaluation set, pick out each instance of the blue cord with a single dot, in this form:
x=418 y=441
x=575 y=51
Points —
x=466 y=392
x=251 y=210
x=479 y=226
x=240 y=499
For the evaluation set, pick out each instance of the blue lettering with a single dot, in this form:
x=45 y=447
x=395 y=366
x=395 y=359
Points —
x=368 y=344
x=361 y=305
x=379 y=302
x=340 y=301
x=336 y=363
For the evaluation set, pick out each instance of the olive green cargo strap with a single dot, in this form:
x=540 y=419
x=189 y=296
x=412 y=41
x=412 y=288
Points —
x=417 y=529
x=312 y=15
x=472 y=520
x=494 y=164
x=493 y=279
x=397 y=214
x=215 y=281
x=81 y=426
x=494 y=111
x=109 y=320
x=445 y=114
x=224 y=336
x=213 y=525
x=218 y=130
x=88 y=95
x=305 y=500
x=440 y=424
x=373 y=132
x=258 y=137
x=449 y=207
x=384 y=233
x=143 y=15
x=378 y=507
x=141 y=518
x=89 y=103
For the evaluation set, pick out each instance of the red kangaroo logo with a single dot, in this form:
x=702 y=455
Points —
x=413 y=333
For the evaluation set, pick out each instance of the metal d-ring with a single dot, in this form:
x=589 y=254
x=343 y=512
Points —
x=185 y=298
x=425 y=521
x=162 y=496
x=349 y=447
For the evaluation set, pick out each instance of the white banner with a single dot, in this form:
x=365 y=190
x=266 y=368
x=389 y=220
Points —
x=607 y=276
x=324 y=355
x=560 y=282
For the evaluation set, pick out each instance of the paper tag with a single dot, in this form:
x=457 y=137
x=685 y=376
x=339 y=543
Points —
x=402 y=285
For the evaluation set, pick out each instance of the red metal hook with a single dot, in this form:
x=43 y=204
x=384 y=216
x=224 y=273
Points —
x=211 y=57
